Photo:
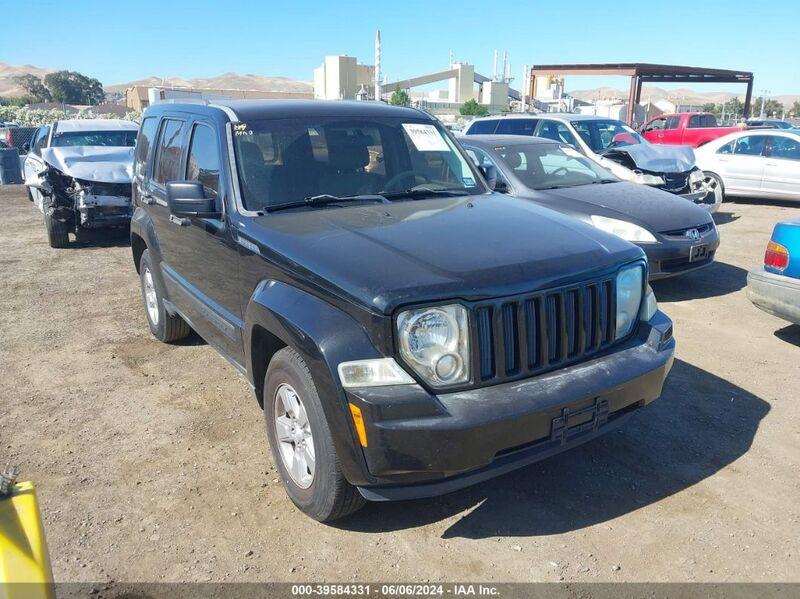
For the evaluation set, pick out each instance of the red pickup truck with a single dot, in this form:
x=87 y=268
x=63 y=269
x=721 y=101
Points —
x=684 y=129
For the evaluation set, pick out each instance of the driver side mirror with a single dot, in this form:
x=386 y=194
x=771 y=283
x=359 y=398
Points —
x=489 y=173
x=188 y=199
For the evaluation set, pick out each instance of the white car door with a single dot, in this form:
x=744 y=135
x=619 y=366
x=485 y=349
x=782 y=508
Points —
x=34 y=164
x=743 y=170
x=782 y=167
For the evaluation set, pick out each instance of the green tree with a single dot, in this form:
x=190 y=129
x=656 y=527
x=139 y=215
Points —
x=709 y=107
x=771 y=108
x=400 y=97
x=472 y=108
x=71 y=87
x=33 y=86
x=795 y=109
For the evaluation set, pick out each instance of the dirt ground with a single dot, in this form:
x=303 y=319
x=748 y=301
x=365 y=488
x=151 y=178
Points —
x=152 y=463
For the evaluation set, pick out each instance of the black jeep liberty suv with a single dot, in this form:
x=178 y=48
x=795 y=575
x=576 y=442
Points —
x=407 y=331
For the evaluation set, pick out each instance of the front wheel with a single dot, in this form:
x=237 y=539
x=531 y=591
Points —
x=163 y=325
x=714 y=185
x=301 y=442
x=57 y=232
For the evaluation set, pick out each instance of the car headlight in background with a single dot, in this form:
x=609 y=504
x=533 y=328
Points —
x=435 y=343
x=629 y=298
x=622 y=228
x=649 y=305
x=646 y=179
x=373 y=373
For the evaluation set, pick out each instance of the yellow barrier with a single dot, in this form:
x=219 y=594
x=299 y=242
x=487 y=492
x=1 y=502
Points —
x=25 y=571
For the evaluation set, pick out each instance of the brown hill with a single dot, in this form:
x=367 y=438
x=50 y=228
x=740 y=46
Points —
x=7 y=87
x=224 y=81
x=686 y=96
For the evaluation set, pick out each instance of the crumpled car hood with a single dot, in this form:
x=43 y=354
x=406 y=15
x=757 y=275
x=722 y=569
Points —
x=657 y=158
x=92 y=163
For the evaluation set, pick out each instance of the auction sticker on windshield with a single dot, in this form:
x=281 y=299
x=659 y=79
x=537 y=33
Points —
x=426 y=138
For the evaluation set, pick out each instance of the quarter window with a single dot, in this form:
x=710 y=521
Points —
x=168 y=158
x=203 y=162
x=726 y=149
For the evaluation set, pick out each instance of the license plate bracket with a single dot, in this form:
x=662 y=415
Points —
x=597 y=413
x=698 y=253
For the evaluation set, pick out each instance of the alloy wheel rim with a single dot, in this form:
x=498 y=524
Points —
x=150 y=297
x=295 y=439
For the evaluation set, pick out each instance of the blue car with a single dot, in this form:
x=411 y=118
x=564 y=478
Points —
x=775 y=288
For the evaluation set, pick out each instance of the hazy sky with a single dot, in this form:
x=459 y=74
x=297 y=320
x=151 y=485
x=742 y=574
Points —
x=121 y=41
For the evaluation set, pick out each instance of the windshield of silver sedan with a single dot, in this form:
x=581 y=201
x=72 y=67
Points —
x=312 y=161
x=552 y=166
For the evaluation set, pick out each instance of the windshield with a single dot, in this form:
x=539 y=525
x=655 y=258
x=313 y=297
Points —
x=548 y=166
x=287 y=160
x=604 y=135
x=95 y=138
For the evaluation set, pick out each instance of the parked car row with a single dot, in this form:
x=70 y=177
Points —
x=414 y=313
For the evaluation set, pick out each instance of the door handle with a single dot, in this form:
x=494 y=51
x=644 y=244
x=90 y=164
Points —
x=148 y=199
x=181 y=222
x=771 y=164
x=660 y=136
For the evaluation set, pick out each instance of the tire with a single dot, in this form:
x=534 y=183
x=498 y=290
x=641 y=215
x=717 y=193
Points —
x=163 y=325
x=57 y=232
x=327 y=495
x=712 y=179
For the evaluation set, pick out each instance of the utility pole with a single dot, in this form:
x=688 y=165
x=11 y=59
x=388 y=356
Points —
x=763 y=102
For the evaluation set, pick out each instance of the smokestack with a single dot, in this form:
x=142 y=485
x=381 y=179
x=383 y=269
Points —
x=505 y=64
x=378 y=65
x=494 y=66
x=450 y=64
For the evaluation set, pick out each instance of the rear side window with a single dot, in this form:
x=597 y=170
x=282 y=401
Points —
x=517 y=126
x=168 y=157
x=482 y=127
x=203 y=162
x=785 y=147
x=144 y=141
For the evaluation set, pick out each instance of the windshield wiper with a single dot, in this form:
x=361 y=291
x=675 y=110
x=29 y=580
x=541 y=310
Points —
x=422 y=192
x=604 y=181
x=325 y=199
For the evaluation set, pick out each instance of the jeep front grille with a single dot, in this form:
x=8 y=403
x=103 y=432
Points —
x=527 y=335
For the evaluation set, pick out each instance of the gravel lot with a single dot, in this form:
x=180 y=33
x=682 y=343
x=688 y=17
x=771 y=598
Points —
x=152 y=464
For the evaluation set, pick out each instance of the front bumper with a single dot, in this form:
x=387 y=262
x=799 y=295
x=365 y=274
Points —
x=422 y=445
x=776 y=294
x=671 y=257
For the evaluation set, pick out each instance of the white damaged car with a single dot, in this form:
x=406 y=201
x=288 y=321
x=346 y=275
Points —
x=78 y=173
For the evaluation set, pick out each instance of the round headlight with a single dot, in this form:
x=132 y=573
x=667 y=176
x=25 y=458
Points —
x=435 y=343
x=429 y=333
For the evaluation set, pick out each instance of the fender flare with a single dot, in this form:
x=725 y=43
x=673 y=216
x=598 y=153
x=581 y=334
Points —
x=324 y=336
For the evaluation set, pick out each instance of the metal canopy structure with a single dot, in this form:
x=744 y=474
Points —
x=650 y=73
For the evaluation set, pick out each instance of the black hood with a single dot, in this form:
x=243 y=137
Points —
x=386 y=255
x=643 y=205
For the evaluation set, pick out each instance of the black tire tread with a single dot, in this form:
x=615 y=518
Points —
x=174 y=328
x=57 y=232
x=345 y=498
